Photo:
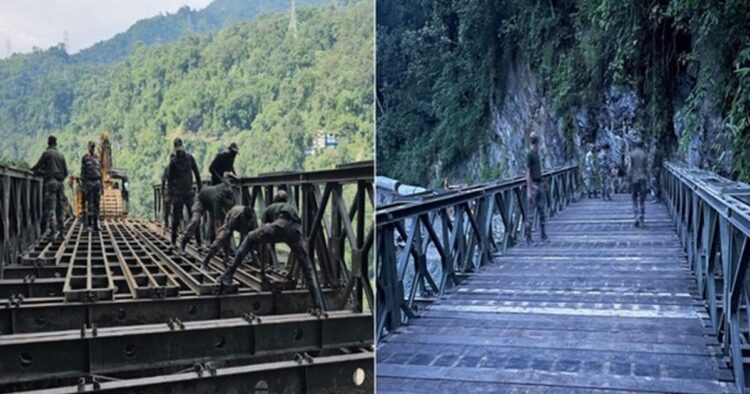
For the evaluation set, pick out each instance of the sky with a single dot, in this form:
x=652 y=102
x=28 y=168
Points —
x=25 y=24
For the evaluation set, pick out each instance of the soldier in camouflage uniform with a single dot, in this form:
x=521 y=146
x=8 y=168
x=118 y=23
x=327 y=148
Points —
x=180 y=173
x=536 y=194
x=281 y=223
x=217 y=200
x=605 y=169
x=240 y=218
x=588 y=170
x=53 y=169
x=637 y=172
x=91 y=176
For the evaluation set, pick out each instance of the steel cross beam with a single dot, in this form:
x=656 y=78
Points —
x=712 y=215
x=347 y=373
x=116 y=350
x=20 y=212
x=459 y=230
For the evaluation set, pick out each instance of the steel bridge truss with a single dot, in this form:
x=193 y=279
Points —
x=460 y=228
x=336 y=209
x=116 y=310
x=712 y=215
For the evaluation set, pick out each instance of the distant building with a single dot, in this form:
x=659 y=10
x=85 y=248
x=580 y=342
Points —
x=324 y=139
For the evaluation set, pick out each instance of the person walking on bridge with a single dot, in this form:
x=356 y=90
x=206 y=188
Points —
x=240 y=218
x=91 y=176
x=637 y=172
x=588 y=170
x=180 y=173
x=223 y=164
x=53 y=170
x=281 y=223
x=217 y=200
x=535 y=190
x=605 y=169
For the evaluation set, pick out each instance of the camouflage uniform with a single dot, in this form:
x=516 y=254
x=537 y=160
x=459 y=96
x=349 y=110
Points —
x=639 y=180
x=52 y=167
x=91 y=175
x=241 y=219
x=216 y=200
x=537 y=196
x=281 y=223
x=604 y=174
x=180 y=173
x=588 y=172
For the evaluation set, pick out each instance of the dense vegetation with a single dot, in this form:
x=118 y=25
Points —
x=172 y=27
x=254 y=83
x=441 y=65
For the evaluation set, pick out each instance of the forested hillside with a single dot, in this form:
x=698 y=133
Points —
x=254 y=83
x=460 y=84
x=171 y=27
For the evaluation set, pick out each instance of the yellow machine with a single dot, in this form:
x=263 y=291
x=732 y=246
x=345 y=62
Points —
x=114 y=201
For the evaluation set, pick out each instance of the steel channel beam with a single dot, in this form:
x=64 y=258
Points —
x=55 y=316
x=349 y=373
x=61 y=354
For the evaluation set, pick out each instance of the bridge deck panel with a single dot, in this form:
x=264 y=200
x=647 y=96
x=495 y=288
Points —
x=603 y=306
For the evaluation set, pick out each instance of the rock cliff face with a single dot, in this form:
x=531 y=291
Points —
x=525 y=109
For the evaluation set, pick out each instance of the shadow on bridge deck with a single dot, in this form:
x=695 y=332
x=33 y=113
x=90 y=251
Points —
x=603 y=305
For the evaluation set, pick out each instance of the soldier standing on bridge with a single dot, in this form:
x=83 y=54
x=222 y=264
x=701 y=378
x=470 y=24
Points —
x=166 y=204
x=588 y=170
x=281 y=223
x=637 y=172
x=217 y=200
x=240 y=218
x=91 y=175
x=180 y=173
x=223 y=164
x=535 y=190
x=53 y=169
x=605 y=169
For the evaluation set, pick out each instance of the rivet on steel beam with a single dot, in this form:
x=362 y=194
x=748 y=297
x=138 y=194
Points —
x=94 y=331
x=83 y=331
x=82 y=385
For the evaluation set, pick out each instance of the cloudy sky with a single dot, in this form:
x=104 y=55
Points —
x=25 y=24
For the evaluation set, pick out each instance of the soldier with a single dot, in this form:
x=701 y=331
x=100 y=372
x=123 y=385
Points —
x=167 y=205
x=656 y=173
x=535 y=190
x=281 y=223
x=180 y=173
x=91 y=175
x=588 y=170
x=223 y=164
x=638 y=178
x=240 y=218
x=217 y=200
x=51 y=166
x=605 y=167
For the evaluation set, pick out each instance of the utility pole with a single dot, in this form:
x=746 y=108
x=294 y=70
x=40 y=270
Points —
x=293 y=20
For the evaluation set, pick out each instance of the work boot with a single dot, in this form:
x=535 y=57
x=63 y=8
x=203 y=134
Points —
x=181 y=248
x=96 y=224
x=637 y=223
x=544 y=235
x=529 y=239
x=226 y=278
x=204 y=264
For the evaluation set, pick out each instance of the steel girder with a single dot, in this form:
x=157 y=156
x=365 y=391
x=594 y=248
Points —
x=103 y=351
x=713 y=222
x=348 y=373
x=459 y=228
x=54 y=314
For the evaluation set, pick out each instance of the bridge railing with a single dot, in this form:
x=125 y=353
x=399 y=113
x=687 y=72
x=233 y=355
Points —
x=457 y=231
x=712 y=215
x=336 y=207
x=20 y=212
